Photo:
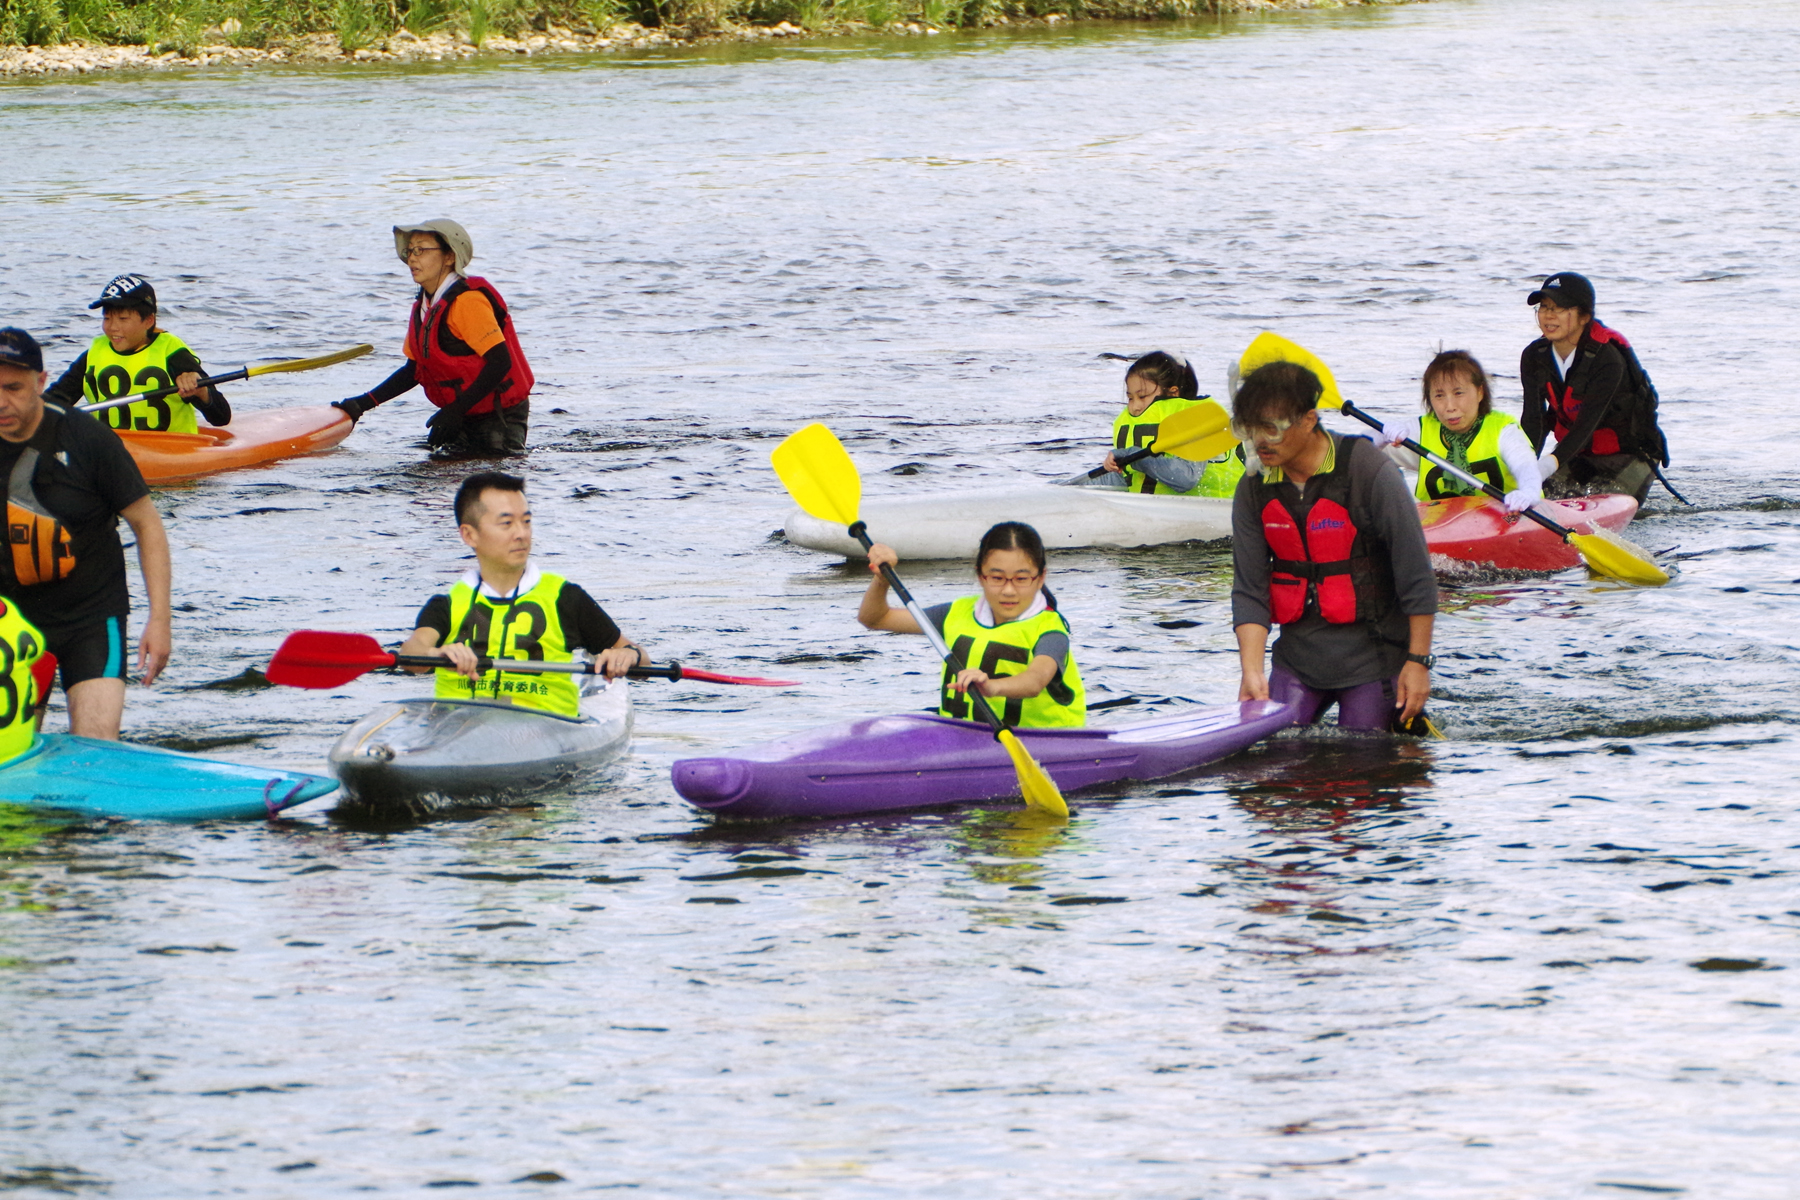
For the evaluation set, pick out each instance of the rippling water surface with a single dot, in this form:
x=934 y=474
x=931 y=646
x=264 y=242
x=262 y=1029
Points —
x=1546 y=957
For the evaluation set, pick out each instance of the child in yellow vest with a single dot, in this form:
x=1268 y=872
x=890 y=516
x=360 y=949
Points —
x=1013 y=641
x=133 y=355
x=1461 y=426
x=1157 y=386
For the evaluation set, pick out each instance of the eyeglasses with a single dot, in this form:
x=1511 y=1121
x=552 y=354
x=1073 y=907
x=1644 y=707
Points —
x=413 y=252
x=998 y=580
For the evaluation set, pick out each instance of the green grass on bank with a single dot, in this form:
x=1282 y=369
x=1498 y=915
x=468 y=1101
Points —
x=184 y=25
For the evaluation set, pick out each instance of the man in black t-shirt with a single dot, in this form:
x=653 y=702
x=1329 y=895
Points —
x=68 y=481
x=506 y=608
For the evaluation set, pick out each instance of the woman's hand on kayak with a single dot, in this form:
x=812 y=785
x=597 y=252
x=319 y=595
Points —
x=1253 y=686
x=1414 y=689
x=462 y=659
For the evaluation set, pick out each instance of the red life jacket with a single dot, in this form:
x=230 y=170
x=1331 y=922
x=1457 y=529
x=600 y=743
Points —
x=1565 y=408
x=444 y=364
x=1319 y=552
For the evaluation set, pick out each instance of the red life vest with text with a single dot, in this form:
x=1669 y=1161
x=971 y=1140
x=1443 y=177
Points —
x=444 y=364
x=1319 y=554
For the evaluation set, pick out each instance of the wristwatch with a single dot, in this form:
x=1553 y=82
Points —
x=1427 y=661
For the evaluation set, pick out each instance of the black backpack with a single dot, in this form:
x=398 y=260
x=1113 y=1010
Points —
x=1641 y=434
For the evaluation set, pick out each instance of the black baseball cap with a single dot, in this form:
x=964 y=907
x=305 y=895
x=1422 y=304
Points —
x=127 y=291
x=20 y=349
x=1565 y=289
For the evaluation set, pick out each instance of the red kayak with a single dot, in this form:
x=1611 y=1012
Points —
x=1475 y=529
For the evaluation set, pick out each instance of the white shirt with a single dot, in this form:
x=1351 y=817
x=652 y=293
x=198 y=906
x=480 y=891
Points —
x=527 y=581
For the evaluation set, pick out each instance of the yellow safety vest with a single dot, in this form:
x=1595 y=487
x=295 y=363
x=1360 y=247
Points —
x=1222 y=473
x=1484 y=458
x=1130 y=432
x=111 y=375
x=20 y=646
x=1003 y=650
x=525 y=628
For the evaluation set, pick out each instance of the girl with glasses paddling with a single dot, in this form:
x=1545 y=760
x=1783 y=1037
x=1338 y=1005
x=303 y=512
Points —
x=1013 y=640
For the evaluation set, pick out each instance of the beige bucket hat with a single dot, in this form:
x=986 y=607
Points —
x=455 y=235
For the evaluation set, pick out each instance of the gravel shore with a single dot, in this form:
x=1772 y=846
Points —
x=81 y=58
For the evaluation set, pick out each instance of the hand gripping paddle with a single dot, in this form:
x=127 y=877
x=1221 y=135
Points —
x=288 y=364
x=313 y=658
x=817 y=472
x=1602 y=550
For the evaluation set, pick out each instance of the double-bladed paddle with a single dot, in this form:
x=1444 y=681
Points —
x=1196 y=433
x=315 y=658
x=1602 y=550
x=287 y=364
x=817 y=472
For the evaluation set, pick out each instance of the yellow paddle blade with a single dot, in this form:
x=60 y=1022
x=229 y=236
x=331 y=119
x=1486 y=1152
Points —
x=1193 y=429
x=1035 y=784
x=817 y=472
x=310 y=364
x=1268 y=348
x=1610 y=554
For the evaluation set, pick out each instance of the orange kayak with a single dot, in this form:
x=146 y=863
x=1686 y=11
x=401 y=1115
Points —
x=257 y=437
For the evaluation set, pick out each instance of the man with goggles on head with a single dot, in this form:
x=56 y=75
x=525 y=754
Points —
x=1326 y=543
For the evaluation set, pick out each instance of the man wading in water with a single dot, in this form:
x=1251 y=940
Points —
x=460 y=347
x=69 y=480
x=1326 y=543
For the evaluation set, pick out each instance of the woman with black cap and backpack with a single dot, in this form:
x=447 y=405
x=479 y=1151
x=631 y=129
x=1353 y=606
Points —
x=1585 y=388
x=460 y=347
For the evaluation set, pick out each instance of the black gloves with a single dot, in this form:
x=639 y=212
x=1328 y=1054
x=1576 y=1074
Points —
x=444 y=427
x=355 y=406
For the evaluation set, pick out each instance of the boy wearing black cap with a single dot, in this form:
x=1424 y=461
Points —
x=132 y=356
x=68 y=481
x=1584 y=384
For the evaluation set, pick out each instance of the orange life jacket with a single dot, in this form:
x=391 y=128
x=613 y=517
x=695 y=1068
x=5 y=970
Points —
x=40 y=545
x=444 y=364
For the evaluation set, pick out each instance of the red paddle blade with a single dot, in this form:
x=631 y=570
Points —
x=315 y=658
x=747 y=680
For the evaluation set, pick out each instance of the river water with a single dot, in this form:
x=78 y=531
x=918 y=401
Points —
x=1544 y=957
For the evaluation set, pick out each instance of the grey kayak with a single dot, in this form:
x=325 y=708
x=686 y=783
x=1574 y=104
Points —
x=415 y=757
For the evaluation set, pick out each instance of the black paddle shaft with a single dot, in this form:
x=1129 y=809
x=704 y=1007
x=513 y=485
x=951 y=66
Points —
x=954 y=661
x=1429 y=457
x=671 y=672
x=1124 y=460
x=205 y=381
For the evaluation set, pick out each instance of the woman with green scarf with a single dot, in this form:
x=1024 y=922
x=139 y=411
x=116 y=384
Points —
x=1460 y=424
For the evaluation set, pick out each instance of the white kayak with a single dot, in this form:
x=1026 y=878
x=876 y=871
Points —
x=950 y=524
x=415 y=757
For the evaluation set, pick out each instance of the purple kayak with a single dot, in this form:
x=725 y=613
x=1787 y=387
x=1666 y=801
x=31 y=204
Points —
x=914 y=761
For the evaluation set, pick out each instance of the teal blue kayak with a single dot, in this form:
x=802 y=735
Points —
x=117 y=779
